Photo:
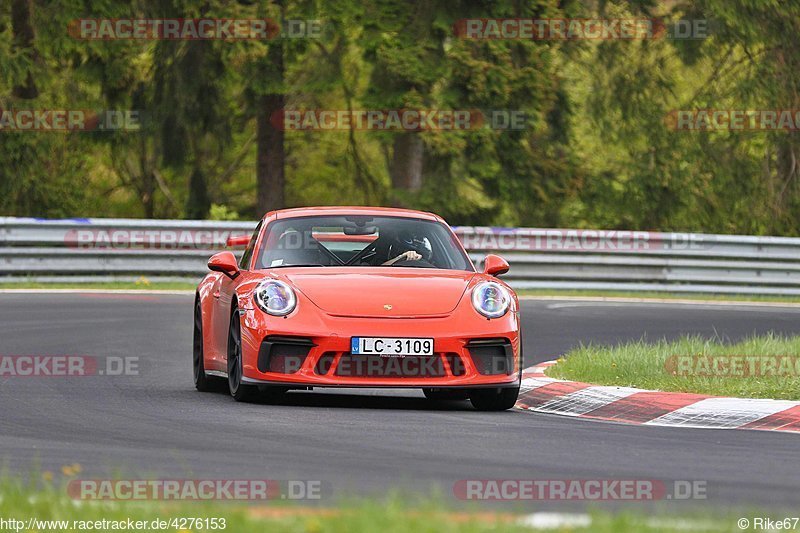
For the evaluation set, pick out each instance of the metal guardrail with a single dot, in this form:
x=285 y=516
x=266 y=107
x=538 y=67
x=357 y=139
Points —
x=168 y=250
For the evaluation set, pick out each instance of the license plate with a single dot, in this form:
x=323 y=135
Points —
x=390 y=346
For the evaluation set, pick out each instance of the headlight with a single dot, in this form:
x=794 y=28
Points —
x=491 y=299
x=275 y=297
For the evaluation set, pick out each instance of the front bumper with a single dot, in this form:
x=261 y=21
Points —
x=314 y=351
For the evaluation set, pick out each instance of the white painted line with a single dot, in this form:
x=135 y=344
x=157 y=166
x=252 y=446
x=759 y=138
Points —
x=555 y=520
x=581 y=520
x=581 y=402
x=529 y=384
x=722 y=413
x=96 y=291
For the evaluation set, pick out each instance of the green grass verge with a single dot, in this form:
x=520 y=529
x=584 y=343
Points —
x=48 y=502
x=662 y=295
x=691 y=364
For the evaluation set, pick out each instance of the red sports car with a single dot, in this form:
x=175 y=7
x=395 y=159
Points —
x=357 y=297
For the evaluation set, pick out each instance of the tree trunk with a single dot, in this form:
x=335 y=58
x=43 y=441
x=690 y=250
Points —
x=198 y=203
x=271 y=156
x=406 y=166
x=21 y=11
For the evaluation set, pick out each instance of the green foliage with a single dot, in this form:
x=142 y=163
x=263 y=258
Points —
x=596 y=150
x=222 y=212
x=656 y=366
x=42 y=496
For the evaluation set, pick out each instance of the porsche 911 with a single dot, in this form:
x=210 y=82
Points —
x=357 y=297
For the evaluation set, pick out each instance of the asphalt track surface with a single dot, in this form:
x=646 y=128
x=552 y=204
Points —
x=360 y=442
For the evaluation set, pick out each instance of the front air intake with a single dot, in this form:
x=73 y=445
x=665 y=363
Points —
x=492 y=357
x=283 y=355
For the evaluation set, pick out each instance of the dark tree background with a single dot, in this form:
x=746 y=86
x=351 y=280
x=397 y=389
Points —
x=596 y=150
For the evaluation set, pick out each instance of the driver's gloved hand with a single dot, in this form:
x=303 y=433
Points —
x=410 y=255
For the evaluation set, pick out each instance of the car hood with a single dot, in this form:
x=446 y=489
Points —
x=387 y=292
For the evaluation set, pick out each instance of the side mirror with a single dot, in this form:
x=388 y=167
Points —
x=238 y=240
x=224 y=262
x=494 y=265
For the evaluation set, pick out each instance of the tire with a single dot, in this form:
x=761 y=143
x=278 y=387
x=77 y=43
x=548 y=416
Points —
x=239 y=391
x=202 y=381
x=494 y=399
x=445 y=395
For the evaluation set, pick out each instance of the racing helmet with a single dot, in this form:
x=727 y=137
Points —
x=408 y=240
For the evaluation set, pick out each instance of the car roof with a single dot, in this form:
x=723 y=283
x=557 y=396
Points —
x=351 y=210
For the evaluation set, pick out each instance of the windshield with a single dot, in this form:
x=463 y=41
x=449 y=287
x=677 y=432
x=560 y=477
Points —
x=360 y=240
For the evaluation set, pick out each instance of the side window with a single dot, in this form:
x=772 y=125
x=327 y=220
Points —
x=244 y=262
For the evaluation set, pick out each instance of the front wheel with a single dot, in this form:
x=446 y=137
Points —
x=239 y=391
x=494 y=399
x=202 y=381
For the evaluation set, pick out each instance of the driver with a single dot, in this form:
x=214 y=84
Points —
x=414 y=248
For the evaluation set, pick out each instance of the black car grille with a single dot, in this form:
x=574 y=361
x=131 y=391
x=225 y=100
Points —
x=283 y=355
x=492 y=357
